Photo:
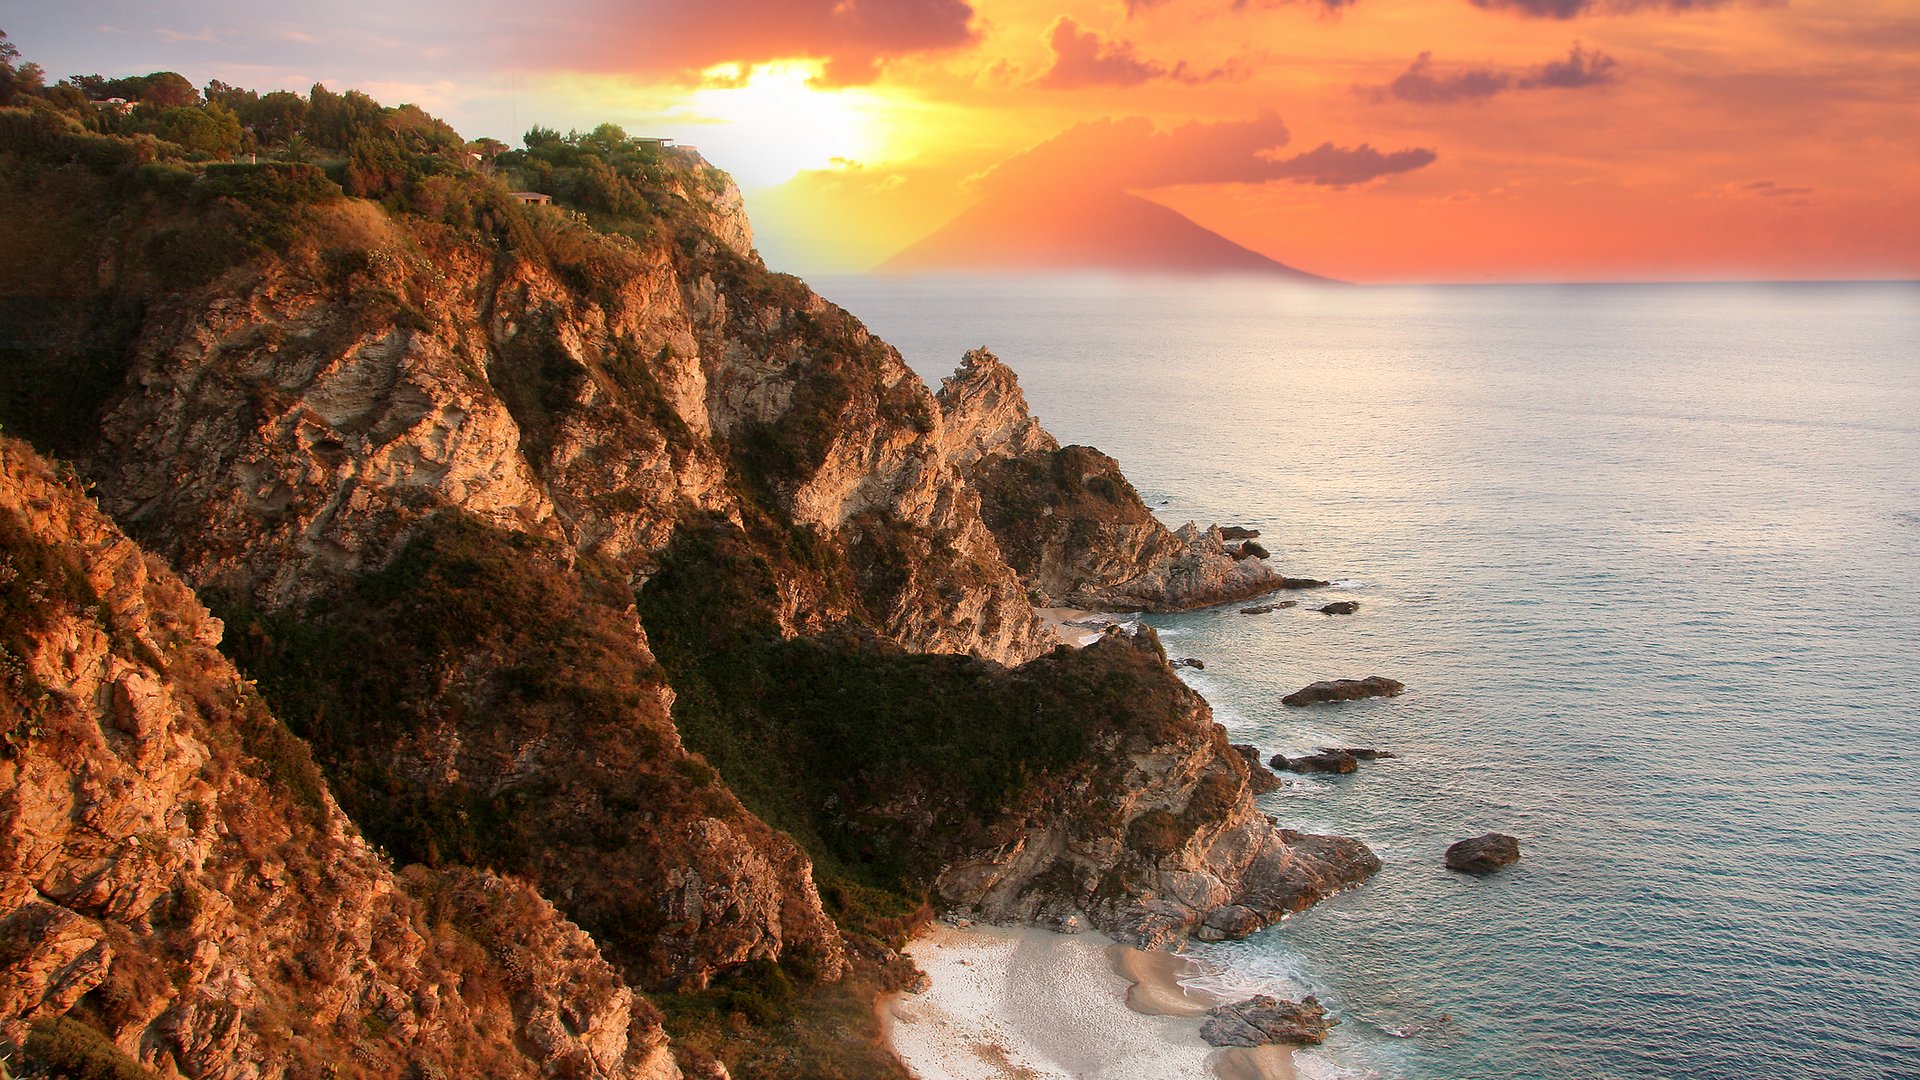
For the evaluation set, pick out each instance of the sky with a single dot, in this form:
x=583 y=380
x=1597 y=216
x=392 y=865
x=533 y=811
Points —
x=1367 y=140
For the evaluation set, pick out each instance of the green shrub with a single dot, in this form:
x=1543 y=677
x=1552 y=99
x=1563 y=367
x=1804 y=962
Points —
x=70 y=1050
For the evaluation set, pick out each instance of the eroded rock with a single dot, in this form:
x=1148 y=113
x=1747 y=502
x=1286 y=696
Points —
x=1344 y=690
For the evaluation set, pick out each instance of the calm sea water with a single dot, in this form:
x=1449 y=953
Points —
x=1648 y=559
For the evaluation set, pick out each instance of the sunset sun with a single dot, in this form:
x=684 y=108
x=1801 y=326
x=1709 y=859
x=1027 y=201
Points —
x=772 y=122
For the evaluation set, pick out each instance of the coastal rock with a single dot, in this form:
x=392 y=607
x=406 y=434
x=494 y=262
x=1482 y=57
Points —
x=1238 y=532
x=1344 y=690
x=1178 y=839
x=1248 y=550
x=1483 y=854
x=169 y=854
x=1341 y=607
x=1189 y=662
x=1068 y=520
x=1327 y=761
x=1359 y=753
x=1302 y=583
x=1259 y=779
x=1267 y=609
x=1264 y=1020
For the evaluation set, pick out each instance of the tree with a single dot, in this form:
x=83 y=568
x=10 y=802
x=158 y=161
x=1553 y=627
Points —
x=276 y=118
x=213 y=131
x=17 y=79
x=166 y=90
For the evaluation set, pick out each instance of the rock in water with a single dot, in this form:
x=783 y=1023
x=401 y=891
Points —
x=1267 y=609
x=1303 y=583
x=1190 y=662
x=1483 y=854
x=1238 y=532
x=1263 y=1020
x=1344 y=690
x=1259 y=779
x=1327 y=761
x=1250 y=550
x=1341 y=607
x=1359 y=753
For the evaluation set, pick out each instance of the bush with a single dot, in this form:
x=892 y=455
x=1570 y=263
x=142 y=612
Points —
x=71 y=1050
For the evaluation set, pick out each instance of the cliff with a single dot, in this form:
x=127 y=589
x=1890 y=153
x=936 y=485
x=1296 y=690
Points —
x=1067 y=519
x=178 y=888
x=604 y=570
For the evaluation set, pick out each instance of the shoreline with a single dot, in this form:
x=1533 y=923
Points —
x=1019 y=1003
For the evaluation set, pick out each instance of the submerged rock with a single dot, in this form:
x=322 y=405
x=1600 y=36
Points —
x=1264 y=1020
x=1327 y=761
x=1359 y=753
x=1190 y=662
x=1259 y=779
x=1341 y=607
x=1344 y=690
x=1483 y=854
x=1303 y=583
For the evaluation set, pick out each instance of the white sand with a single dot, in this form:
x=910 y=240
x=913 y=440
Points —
x=1059 y=617
x=1031 y=1004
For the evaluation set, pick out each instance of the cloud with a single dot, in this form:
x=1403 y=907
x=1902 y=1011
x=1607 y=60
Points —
x=1423 y=84
x=1130 y=155
x=1569 y=9
x=853 y=37
x=1082 y=59
x=1773 y=190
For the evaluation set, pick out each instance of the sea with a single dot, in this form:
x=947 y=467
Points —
x=1647 y=558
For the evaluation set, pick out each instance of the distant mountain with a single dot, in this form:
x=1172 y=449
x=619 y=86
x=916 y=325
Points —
x=1012 y=230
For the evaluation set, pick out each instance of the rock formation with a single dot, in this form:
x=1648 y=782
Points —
x=1264 y=1020
x=1483 y=854
x=1327 y=761
x=1068 y=520
x=1344 y=690
x=623 y=588
x=173 y=869
x=1180 y=847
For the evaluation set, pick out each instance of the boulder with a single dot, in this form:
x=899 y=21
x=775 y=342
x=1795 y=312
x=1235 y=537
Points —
x=1344 y=690
x=1259 y=779
x=1230 y=923
x=1483 y=854
x=1188 y=661
x=1264 y=1020
x=1238 y=532
x=1341 y=607
x=1327 y=761
x=1359 y=753
x=1251 y=550
x=1268 y=609
x=1303 y=583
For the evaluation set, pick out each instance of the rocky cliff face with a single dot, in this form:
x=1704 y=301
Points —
x=607 y=562
x=1068 y=520
x=176 y=880
x=1158 y=838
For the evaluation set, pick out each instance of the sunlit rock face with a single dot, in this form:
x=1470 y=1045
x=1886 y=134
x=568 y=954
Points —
x=171 y=859
x=1068 y=520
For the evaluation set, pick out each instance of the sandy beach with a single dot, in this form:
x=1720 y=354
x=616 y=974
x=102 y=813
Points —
x=1025 y=1004
x=1069 y=624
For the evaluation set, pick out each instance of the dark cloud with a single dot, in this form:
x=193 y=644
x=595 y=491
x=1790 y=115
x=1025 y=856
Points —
x=1773 y=190
x=1135 y=7
x=1580 y=69
x=1130 y=155
x=1423 y=84
x=1569 y=9
x=1081 y=58
x=853 y=37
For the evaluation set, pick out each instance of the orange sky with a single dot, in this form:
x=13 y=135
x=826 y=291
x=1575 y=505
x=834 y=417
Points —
x=1629 y=139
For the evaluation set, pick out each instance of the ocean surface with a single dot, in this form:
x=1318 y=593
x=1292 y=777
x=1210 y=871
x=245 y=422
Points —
x=1647 y=558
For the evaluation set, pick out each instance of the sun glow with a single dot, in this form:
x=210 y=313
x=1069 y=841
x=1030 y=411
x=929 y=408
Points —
x=771 y=122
